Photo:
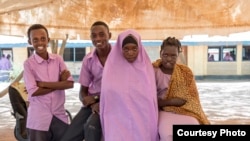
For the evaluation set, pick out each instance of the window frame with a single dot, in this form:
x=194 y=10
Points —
x=4 y=50
x=246 y=52
x=232 y=49
x=74 y=55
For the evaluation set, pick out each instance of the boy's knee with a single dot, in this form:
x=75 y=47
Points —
x=92 y=126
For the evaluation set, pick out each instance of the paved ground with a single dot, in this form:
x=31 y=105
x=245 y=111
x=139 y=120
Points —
x=223 y=102
x=7 y=121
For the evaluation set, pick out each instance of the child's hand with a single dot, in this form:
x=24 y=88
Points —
x=65 y=74
x=177 y=101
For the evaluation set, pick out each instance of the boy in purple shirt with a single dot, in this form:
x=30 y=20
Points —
x=46 y=77
x=86 y=124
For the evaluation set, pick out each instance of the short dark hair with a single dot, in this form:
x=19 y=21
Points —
x=100 y=23
x=36 y=26
x=171 y=41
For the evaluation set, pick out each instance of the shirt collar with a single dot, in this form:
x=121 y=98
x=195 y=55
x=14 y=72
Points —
x=40 y=59
x=94 y=52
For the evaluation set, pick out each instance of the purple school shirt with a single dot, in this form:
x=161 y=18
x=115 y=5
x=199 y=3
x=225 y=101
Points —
x=162 y=82
x=42 y=108
x=91 y=73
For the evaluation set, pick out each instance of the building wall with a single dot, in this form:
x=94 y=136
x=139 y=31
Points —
x=245 y=68
x=19 y=56
x=222 y=68
x=197 y=61
x=153 y=53
x=195 y=56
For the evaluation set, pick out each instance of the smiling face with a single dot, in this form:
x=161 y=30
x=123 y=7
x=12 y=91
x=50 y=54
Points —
x=39 y=39
x=100 y=37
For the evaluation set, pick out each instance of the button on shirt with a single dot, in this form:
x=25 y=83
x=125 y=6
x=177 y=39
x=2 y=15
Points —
x=91 y=73
x=42 y=108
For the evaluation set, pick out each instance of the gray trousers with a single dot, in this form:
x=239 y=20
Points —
x=56 y=130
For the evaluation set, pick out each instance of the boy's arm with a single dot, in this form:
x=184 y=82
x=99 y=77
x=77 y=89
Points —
x=31 y=84
x=63 y=83
x=86 y=99
x=42 y=91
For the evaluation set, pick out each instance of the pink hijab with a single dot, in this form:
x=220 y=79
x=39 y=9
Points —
x=128 y=106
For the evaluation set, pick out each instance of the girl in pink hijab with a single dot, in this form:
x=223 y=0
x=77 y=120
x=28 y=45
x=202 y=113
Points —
x=128 y=109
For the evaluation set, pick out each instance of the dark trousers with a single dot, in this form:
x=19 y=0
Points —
x=85 y=125
x=56 y=130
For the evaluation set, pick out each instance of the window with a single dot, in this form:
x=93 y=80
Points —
x=246 y=53
x=7 y=52
x=229 y=54
x=79 y=54
x=222 y=53
x=74 y=54
x=68 y=54
x=213 y=54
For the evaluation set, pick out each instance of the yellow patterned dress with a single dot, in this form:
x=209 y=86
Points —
x=183 y=85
